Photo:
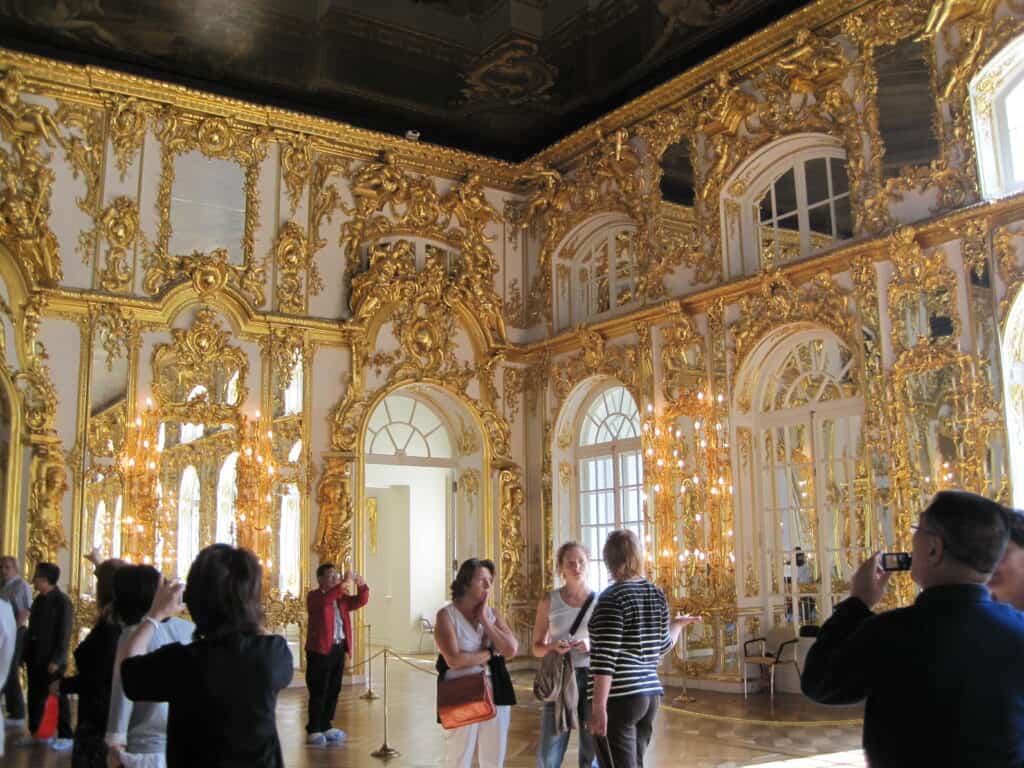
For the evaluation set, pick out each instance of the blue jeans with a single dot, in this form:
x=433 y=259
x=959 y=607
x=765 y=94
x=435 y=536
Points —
x=552 y=747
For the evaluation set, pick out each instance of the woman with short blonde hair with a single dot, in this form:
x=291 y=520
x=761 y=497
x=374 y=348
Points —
x=629 y=633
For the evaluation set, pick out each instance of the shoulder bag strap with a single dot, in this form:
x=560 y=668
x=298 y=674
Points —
x=581 y=614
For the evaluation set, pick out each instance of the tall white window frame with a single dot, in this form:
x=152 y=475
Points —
x=609 y=460
x=807 y=425
x=997 y=108
x=743 y=231
x=227 y=492
x=188 y=519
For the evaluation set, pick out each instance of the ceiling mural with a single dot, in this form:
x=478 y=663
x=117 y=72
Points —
x=500 y=77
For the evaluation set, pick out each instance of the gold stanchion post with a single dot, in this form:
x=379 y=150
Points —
x=684 y=697
x=369 y=695
x=386 y=751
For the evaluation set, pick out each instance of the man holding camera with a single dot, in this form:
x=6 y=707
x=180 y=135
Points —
x=328 y=641
x=943 y=677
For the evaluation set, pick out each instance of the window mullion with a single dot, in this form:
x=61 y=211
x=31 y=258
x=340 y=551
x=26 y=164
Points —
x=803 y=220
x=616 y=487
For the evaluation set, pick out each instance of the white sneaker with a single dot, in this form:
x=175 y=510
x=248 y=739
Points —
x=316 y=740
x=15 y=722
x=334 y=734
x=61 y=745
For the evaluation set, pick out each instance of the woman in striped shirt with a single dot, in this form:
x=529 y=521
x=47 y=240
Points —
x=629 y=633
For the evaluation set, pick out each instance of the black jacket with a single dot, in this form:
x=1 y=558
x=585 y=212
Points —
x=49 y=630
x=943 y=678
x=94 y=659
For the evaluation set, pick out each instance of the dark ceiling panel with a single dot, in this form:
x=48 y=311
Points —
x=501 y=77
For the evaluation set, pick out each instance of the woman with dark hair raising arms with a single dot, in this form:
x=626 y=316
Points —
x=222 y=689
x=468 y=634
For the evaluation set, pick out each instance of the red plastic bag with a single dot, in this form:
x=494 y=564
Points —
x=48 y=725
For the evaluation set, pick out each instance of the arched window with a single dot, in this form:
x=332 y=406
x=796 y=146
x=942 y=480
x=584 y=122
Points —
x=610 y=473
x=789 y=200
x=227 y=492
x=288 y=558
x=405 y=426
x=807 y=433
x=595 y=272
x=293 y=394
x=997 y=103
x=188 y=520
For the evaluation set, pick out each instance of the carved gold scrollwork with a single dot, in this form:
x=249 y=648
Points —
x=129 y=118
x=778 y=302
x=1011 y=271
x=295 y=259
x=683 y=370
x=46 y=502
x=922 y=293
x=333 y=539
x=513 y=541
x=26 y=183
x=115 y=328
x=119 y=225
x=622 y=362
x=200 y=356
x=296 y=165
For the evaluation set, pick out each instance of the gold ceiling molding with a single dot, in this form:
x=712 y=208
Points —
x=97 y=86
x=779 y=302
x=675 y=93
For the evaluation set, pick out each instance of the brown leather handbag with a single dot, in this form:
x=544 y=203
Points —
x=465 y=700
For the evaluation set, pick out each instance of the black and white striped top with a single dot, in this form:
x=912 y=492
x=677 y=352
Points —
x=628 y=637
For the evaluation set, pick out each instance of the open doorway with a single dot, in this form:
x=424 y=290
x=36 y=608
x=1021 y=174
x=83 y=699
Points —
x=422 y=511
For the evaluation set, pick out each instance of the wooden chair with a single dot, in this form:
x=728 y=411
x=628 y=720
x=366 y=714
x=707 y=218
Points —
x=765 y=659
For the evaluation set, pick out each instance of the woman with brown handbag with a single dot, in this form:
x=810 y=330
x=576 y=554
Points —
x=468 y=634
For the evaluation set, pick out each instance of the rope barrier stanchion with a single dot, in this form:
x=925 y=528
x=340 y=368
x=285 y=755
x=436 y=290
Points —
x=684 y=697
x=369 y=695
x=386 y=751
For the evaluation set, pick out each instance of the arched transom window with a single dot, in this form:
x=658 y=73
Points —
x=610 y=473
x=404 y=426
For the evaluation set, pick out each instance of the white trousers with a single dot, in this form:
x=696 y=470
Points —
x=487 y=740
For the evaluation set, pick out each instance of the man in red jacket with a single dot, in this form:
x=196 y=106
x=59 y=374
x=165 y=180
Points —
x=327 y=643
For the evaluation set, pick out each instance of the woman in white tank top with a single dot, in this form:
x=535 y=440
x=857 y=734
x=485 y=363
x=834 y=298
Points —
x=556 y=613
x=468 y=632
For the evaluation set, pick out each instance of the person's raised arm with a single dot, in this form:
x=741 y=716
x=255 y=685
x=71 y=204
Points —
x=839 y=665
x=448 y=645
x=500 y=635
x=362 y=595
